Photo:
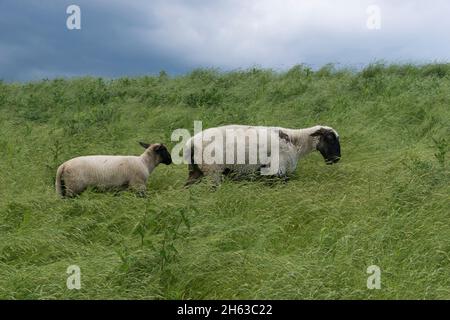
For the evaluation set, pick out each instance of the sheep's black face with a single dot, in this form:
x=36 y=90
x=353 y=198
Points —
x=162 y=151
x=328 y=145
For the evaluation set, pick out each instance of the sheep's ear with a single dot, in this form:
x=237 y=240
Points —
x=144 y=145
x=319 y=132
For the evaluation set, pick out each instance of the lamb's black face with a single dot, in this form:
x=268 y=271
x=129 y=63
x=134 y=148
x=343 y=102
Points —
x=329 y=146
x=164 y=154
x=160 y=150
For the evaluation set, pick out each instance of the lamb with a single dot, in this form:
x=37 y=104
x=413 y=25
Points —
x=110 y=172
x=289 y=145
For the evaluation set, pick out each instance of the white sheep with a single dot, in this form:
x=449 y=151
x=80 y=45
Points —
x=110 y=172
x=212 y=144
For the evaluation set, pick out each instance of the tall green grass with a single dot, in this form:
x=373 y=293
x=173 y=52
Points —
x=386 y=203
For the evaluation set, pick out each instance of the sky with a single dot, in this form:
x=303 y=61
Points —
x=131 y=38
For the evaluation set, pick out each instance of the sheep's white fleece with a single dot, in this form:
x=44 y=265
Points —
x=299 y=144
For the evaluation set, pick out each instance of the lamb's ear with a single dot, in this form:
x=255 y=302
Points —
x=144 y=145
x=284 y=136
x=319 y=132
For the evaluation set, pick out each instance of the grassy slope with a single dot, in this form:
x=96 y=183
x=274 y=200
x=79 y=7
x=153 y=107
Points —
x=385 y=203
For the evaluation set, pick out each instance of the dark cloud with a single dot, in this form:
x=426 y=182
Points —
x=35 y=42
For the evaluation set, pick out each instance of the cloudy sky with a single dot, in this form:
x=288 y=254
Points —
x=119 y=38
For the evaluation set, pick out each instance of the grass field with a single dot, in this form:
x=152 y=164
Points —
x=386 y=203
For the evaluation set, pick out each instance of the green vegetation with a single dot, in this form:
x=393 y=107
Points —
x=386 y=203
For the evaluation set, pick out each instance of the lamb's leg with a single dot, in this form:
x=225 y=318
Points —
x=73 y=188
x=139 y=187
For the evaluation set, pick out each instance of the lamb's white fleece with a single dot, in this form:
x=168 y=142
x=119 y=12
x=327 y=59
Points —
x=104 y=171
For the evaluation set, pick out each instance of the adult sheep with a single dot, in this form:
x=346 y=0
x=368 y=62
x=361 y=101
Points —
x=110 y=172
x=284 y=145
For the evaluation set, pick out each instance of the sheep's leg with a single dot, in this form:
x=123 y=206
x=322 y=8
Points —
x=280 y=175
x=195 y=175
x=217 y=178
